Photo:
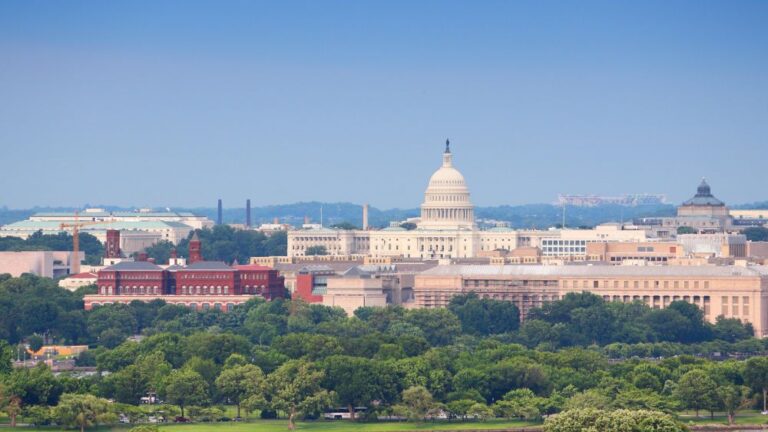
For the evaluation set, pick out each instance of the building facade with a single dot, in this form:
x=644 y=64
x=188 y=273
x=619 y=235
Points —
x=732 y=291
x=199 y=285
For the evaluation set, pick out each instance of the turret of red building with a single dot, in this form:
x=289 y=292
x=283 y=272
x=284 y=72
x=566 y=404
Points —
x=194 y=249
x=112 y=247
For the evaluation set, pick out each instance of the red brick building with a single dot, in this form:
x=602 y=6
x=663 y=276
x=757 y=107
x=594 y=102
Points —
x=200 y=285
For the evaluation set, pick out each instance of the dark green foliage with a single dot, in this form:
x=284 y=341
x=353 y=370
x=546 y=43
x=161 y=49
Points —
x=316 y=250
x=345 y=226
x=484 y=316
x=59 y=242
x=224 y=243
x=756 y=233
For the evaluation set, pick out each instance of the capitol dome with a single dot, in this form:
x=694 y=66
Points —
x=446 y=200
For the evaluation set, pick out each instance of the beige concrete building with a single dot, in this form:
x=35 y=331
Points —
x=718 y=245
x=654 y=252
x=732 y=291
x=52 y=264
x=350 y=293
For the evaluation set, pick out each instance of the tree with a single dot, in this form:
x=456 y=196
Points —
x=732 y=329
x=127 y=385
x=417 y=402
x=756 y=233
x=240 y=382
x=345 y=226
x=732 y=398
x=686 y=230
x=316 y=250
x=484 y=316
x=696 y=390
x=34 y=386
x=295 y=388
x=186 y=387
x=756 y=376
x=358 y=381
x=590 y=419
x=440 y=326
x=10 y=403
x=480 y=411
x=80 y=410
x=35 y=343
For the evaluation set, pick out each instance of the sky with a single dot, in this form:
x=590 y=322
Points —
x=178 y=103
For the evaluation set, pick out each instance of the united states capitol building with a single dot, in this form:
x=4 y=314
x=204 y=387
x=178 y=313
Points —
x=446 y=229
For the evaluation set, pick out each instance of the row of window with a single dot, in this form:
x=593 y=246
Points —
x=204 y=290
x=646 y=284
x=206 y=276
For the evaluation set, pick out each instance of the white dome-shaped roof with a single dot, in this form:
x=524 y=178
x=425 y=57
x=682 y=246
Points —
x=447 y=177
x=446 y=200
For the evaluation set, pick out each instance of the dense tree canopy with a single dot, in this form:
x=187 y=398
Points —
x=224 y=243
x=462 y=360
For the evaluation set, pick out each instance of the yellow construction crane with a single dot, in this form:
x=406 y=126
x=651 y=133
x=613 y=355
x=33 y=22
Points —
x=76 y=238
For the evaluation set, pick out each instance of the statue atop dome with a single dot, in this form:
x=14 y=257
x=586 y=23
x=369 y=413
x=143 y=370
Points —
x=447 y=145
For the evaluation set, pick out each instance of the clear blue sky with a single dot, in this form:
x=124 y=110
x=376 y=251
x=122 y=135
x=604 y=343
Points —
x=178 y=103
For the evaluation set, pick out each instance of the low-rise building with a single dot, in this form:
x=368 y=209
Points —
x=654 y=252
x=199 y=285
x=52 y=264
x=734 y=291
x=76 y=281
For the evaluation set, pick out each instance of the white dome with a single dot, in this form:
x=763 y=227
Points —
x=446 y=200
x=447 y=177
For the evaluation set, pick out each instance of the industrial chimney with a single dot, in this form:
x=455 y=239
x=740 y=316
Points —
x=248 y=213
x=365 y=216
x=218 y=218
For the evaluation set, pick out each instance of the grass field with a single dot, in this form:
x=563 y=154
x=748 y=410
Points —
x=282 y=425
x=744 y=417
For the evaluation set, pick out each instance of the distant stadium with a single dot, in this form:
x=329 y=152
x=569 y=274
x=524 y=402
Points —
x=629 y=200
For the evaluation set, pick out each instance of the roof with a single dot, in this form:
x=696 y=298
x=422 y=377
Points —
x=209 y=265
x=126 y=226
x=86 y=275
x=85 y=215
x=252 y=267
x=595 y=270
x=133 y=266
x=704 y=197
x=500 y=229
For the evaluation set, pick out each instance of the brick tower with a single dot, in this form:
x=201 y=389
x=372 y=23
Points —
x=112 y=246
x=194 y=249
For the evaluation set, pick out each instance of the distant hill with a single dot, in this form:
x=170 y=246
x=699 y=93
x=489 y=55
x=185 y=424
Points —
x=521 y=216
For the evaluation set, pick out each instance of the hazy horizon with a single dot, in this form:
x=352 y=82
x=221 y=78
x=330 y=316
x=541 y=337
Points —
x=180 y=103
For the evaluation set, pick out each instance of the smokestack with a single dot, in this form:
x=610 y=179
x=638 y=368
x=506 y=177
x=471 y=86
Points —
x=218 y=218
x=275 y=220
x=248 y=213
x=365 y=216
x=306 y=220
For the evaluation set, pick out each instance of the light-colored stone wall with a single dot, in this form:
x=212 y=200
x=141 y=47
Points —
x=742 y=294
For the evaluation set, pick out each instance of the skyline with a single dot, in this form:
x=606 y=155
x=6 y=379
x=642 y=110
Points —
x=181 y=103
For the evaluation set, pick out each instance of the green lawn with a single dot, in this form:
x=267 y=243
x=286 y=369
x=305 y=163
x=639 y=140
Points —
x=342 y=426
x=743 y=417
